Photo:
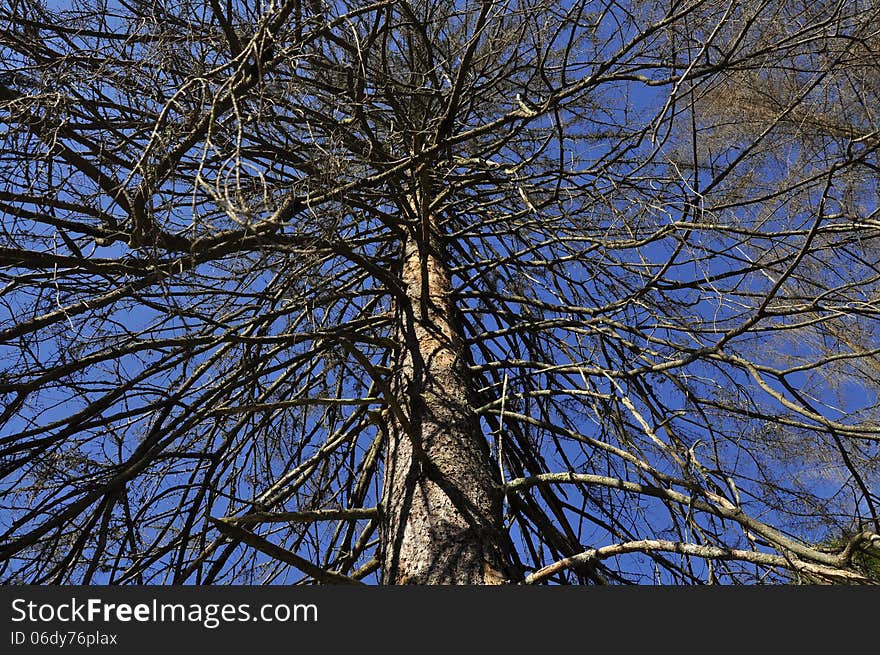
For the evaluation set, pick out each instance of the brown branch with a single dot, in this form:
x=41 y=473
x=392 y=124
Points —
x=348 y=514
x=282 y=554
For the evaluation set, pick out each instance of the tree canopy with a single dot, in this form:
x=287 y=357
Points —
x=310 y=291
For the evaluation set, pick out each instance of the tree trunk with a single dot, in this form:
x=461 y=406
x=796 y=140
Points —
x=442 y=501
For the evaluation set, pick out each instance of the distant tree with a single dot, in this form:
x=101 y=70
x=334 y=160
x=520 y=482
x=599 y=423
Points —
x=431 y=292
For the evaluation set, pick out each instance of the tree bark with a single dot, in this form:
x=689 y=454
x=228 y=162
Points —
x=442 y=499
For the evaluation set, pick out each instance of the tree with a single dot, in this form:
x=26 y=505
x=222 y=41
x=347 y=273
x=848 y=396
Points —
x=439 y=292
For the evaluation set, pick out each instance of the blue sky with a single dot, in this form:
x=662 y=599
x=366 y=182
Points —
x=622 y=221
